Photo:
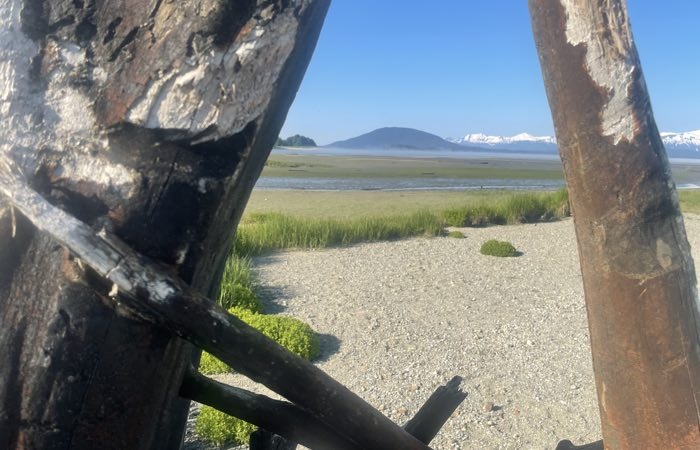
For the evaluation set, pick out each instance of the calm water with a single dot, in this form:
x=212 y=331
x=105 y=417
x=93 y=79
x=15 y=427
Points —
x=402 y=184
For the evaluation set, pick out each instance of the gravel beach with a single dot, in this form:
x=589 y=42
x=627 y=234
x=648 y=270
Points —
x=397 y=319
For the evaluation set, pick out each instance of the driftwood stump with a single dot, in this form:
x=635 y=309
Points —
x=151 y=119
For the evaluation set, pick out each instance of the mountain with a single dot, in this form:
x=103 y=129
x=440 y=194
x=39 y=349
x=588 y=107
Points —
x=682 y=145
x=399 y=139
x=678 y=145
x=522 y=142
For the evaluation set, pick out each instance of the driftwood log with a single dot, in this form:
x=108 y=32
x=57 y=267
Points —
x=638 y=275
x=153 y=119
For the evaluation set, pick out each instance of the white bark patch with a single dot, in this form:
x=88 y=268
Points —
x=220 y=89
x=664 y=254
x=59 y=117
x=17 y=113
x=611 y=59
x=97 y=171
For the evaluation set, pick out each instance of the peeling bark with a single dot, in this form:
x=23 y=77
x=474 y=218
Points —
x=638 y=275
x=152 y=119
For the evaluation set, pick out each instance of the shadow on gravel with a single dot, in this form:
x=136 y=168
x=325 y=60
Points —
x=274 y=299
x=329 y=345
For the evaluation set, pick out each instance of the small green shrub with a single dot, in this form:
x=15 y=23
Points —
x=456 y=234
x=290 y=333
x=293 y=334
x=498 y=248
x=221 y=429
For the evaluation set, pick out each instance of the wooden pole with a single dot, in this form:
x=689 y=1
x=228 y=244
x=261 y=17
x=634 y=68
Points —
x=638 y=275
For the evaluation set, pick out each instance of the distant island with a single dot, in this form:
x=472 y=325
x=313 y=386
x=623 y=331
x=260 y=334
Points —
x=397 y=138
x=295 y=141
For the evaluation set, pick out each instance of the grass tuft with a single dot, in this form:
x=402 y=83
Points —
x=456 y=234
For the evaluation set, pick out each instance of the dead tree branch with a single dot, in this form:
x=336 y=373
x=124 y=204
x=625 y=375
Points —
x=165 y=300
x=279 y=417
x=427 y=422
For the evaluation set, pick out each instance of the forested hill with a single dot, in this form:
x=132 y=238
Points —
x=295 y=141
x=397 y=138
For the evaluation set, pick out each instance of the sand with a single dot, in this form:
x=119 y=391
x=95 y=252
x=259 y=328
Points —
x=397 y=319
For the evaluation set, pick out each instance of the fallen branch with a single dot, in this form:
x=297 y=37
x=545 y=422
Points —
x=278 y=417
x=427 y=422
x=164 y=299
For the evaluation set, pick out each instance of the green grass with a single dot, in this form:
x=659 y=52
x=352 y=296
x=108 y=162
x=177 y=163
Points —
x=690 y=200
x=456 y=234
x=262 y=232
x=272 y=231
x=516 y=208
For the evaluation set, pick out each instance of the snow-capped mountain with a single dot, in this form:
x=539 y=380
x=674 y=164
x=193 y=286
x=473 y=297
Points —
x=688 y=141
x=523 y=142
x=678 y=145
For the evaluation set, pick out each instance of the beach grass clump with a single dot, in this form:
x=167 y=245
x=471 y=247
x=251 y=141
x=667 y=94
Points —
x=237 y=295
x=494 y=247
x=221 y=429
x=271 y=231
x=456 y=234
x=521 y=207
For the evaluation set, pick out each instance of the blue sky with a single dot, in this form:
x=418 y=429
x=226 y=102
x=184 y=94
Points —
x=457 y=66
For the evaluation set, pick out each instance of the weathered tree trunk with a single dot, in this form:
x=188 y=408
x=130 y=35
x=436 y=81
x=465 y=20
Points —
x=152 y=119
x=638 y=274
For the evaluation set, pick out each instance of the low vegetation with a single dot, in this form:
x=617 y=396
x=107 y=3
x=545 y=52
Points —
x=526 y=207
x=237 y=295
x=237 y=285
x=456 y=234
x=262 y=232
x=498 y=248
x=221 y=429
x=271 y=231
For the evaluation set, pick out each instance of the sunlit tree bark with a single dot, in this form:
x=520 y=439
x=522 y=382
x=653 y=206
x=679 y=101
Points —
x=151 y=119
x=638 y=274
